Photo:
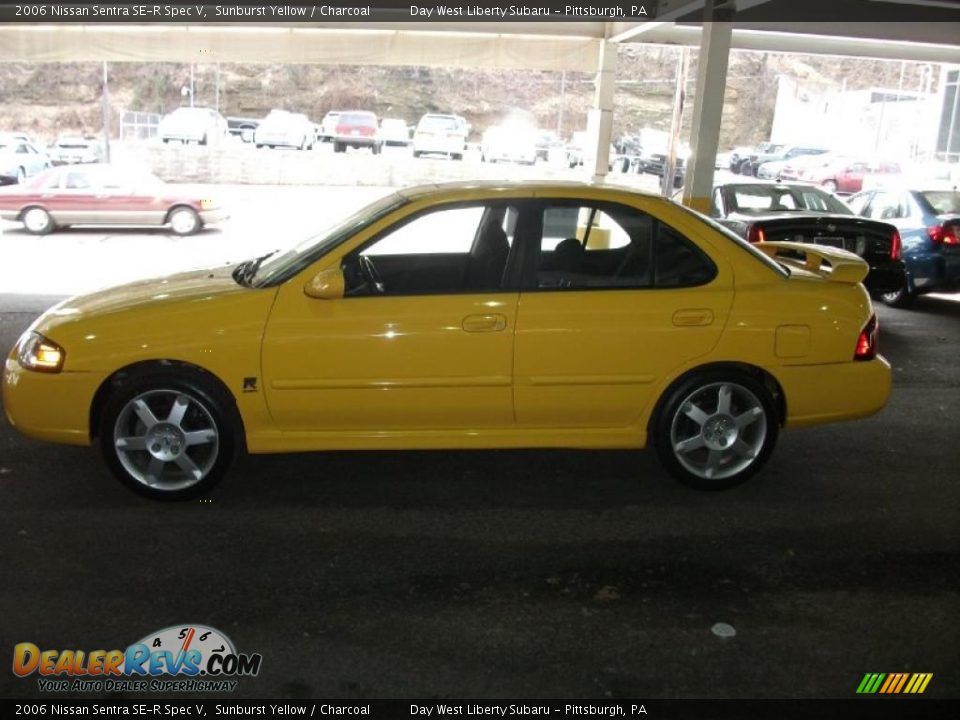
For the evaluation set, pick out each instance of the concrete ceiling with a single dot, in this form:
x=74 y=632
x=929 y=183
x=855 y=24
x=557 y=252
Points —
x=931 y=36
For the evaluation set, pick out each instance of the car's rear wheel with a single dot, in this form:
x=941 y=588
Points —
x=168 y=437
x=716 y=429
x=830 y=186
x=901 y=298
x=184 y=221
x=338 y=147
x=37 y=221
x=417 y=153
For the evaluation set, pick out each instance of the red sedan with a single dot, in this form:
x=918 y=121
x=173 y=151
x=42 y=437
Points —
x=104 y=195
x=838 y=174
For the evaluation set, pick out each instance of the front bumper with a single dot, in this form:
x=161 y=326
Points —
x=217 y=215
x=49 y=406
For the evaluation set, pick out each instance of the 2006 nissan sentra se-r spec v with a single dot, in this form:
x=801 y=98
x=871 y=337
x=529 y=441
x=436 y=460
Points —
x=463 y=316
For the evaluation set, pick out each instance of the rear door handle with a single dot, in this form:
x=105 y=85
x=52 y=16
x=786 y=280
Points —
x=485 y=323
x=693 y=317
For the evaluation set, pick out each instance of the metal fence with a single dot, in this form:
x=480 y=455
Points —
x=138 y=125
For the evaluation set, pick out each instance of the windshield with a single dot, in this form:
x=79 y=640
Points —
x=943 y=202
x=738 y=241
x=287 y=263
x=759 y=199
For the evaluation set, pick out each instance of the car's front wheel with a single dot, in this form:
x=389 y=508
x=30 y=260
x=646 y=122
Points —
x=37 y=221
x=184 y=221
x=167 y=437
x=716 y=429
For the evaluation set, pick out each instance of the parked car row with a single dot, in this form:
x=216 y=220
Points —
x=909 y=236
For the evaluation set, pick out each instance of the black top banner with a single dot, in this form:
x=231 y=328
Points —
x=873 y=709
x=353 y=11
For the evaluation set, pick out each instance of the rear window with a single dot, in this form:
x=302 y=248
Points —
x=760 y=199
x=361 y=119
x=943 y=202
x=438 y=122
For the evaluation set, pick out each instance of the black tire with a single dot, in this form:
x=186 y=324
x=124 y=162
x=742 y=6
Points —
x=203 y=140
x=695 y=392
x=338 y=147
x=184 y=221
x=829 y=186
x=417 y=153
x=209 y=408
x=376 y=149
x=37 y=221
x=901 y=298
x=457 y=156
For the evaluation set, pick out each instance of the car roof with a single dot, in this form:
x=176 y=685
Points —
x=520 y=188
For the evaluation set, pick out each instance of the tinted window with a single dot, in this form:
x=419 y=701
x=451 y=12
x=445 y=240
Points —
x=584 y=246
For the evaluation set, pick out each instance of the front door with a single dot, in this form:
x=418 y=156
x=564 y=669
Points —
x=422 y=340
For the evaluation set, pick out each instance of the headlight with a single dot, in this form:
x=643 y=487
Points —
x=35 y=352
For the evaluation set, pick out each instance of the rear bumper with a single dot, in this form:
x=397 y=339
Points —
x=886 y=277
x=818 y=394
x=356 y=140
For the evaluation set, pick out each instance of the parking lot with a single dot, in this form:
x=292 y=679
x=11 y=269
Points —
x=519 y=573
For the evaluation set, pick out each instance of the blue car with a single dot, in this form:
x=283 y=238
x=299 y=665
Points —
x=929 y=225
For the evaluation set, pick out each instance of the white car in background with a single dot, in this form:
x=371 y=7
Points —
x=193 y=124
x=20 y=160
x=503 y=143
x=394 y=131
x=441 y=134
x=328 y=126
x=281 y=128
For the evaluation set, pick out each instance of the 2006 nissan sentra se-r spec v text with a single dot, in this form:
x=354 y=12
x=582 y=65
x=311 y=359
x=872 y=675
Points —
x=463 y=316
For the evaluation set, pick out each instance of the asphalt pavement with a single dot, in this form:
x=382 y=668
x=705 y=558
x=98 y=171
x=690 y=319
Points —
x=528 y=574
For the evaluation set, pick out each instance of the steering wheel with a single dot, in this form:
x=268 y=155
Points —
x=370 y=274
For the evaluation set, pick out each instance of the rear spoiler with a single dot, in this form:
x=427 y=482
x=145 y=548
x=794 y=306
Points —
x=830 y=263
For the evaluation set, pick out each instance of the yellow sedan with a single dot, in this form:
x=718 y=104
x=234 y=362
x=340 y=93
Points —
x=463 y=316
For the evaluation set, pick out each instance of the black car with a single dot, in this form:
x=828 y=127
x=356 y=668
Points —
x=763 y=212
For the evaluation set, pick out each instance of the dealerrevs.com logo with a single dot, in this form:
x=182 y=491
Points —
x=180 y=658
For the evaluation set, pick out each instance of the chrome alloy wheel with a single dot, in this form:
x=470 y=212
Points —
x=718 y=430
x=166 y=439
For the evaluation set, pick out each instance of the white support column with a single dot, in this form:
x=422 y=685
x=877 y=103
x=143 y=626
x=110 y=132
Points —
x=600 y=120
x=707 y=112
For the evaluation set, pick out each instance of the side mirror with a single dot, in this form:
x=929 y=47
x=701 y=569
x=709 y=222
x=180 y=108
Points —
x=326 y=285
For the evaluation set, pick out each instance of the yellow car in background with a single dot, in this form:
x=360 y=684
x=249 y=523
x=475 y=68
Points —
x=466 y=315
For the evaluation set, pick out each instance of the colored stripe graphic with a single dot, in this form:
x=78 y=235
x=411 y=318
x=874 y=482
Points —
x=894 y=683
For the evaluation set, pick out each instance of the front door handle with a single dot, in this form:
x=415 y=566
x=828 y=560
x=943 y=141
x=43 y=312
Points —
x=493 y=322
x=695 y=317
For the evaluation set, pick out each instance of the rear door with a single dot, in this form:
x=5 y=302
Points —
x=613 y=300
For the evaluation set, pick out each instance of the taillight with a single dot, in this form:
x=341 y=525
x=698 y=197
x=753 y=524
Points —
x=943 y=234
x=756 y=234
x=867 y=342
x=896 y=247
